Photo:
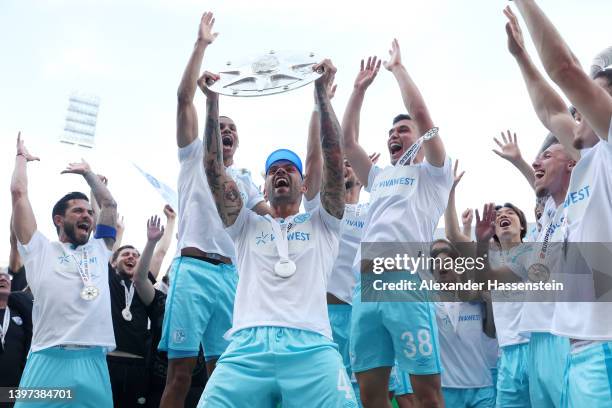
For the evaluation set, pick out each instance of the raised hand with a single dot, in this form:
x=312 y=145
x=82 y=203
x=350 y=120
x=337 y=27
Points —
x=205 y=81
x=22 y=151
x=485 y=227
x=169 y=212
x=154 y=229
x=395 y=56
x=120 y=223
x=327 y=71
x=467 y=217
x=374 y=157
x=205 y=33
x=516 y=43
x=456 y=175
x=77 y=168
x=367 y=73
x=509 y=149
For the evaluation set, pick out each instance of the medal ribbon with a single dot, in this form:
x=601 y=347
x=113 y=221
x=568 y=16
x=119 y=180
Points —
x=129 y=294
x=282 y=244
x=84 y=270
x=5 y=325
x=409 y=155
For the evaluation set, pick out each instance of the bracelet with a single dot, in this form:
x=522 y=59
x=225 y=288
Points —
x=21 y=154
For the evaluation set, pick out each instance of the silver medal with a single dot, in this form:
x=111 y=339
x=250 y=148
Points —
x=127 y=315
x=89 y=293
x=285 y=268
x=538 y=273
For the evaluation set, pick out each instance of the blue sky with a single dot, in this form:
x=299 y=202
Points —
x=132 y=54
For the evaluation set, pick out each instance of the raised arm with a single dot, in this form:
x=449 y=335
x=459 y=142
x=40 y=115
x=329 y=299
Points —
x=467 y=216
x=314 y=157
x=224 y=189
x=161 y=249
x=415 y=105
x=356 y=155
x=24 y=223
x=15 y=262
x=547 y=103
x=186 y=116
x=451 y=225
x=142 y=284
x=332 y=189
x=592 y=101
x=108 y=206
x=510 y=151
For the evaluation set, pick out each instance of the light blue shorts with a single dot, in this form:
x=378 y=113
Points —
x=340 y=321
x=588 y=377
x=198 y=308
x=494 y=377
x=266 y=366
x=483 y=397
x=547 y=359
x=400 y=382
x=513 y=377
x=383 y=332
x=84 y=371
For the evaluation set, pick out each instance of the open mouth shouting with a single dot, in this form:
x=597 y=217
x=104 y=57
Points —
x=228 y=140
x=504 y=222
x=281 y=182
x=84 y=227
x=395 y=149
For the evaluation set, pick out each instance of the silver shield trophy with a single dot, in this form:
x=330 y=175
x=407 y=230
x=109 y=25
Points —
x=267 y=74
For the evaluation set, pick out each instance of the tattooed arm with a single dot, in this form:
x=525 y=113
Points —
x=332 y=189
x=108 y=206
x=223 y=188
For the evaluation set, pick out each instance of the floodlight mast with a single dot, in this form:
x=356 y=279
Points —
x=81 y=119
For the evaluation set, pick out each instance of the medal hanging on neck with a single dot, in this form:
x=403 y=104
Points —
x=89 y=291
x=284 y=267
x=129 y=296
x=539 y=272
x=4 y=328
x=409 y=155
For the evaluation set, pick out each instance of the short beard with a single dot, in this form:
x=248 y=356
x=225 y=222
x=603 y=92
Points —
x=70 y=233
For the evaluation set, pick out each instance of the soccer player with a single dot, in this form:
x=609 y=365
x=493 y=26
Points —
x=406 y=202
x=509 y=262
x=587 y=324
x=203 y=278
x=282 y=348
x=466 y=379
x=69 y=280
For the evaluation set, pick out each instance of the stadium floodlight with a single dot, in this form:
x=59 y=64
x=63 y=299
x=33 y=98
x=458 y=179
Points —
x=81 y=118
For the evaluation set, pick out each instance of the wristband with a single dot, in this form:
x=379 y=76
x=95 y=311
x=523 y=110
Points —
x=105 y=231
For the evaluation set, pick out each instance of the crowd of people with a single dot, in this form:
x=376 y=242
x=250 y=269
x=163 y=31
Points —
x=266 y=305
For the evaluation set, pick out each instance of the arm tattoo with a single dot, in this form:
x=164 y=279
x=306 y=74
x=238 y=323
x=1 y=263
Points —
x=332 y=189
x=223 y=188
x=108 y=206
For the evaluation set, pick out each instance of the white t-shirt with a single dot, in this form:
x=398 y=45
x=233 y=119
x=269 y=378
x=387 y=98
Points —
x=537 y=317
x=199 y=224
x=508 y=305
x=462 y=345
x=265 y=299
x=406 y=203
x=589 y=219
x=341 y=281
x=59 y=315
